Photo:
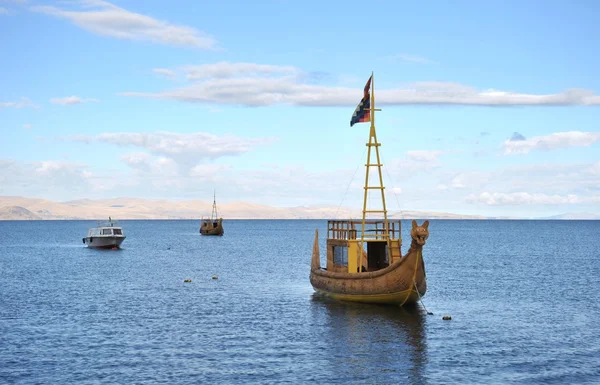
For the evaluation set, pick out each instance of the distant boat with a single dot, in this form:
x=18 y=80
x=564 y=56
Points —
x=364 y=257
x=106 y=235
x=214 y=224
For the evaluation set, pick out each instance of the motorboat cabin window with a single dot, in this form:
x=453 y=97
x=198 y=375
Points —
x=340 y=255
x=117 y=232
x=106 y=231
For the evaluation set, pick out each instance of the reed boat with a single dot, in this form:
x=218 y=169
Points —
x=364 y=257
x=214 y=224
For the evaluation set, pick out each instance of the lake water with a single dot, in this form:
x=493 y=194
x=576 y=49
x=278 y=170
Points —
x=523 y=295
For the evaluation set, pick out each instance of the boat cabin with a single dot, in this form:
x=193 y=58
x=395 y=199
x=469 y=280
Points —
x=381 y=246
x=106 y=229
x=206 y=224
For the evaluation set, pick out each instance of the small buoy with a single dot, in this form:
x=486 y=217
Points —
x=446 y=318
x=215 y=277
x=187 y=280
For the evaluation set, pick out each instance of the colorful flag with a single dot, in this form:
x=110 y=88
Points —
x=363 y=110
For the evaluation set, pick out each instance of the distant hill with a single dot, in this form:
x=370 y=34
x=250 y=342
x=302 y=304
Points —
x=12 y=207
x=408 y=214
x=17 y=213
x=574 y=216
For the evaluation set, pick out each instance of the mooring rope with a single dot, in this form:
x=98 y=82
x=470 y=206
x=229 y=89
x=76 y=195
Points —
x=420 y=299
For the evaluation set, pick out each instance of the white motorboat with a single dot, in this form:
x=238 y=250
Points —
x=106 y=235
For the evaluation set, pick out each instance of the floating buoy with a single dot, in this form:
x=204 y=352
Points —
x=447 y=318
x=187 y=280
x=215 y=277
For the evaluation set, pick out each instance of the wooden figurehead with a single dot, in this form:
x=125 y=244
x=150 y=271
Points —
x=419 y=235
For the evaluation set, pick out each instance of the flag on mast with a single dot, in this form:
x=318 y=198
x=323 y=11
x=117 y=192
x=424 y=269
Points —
x=363 y=110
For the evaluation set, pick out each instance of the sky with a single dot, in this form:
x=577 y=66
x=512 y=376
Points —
x=487 y=107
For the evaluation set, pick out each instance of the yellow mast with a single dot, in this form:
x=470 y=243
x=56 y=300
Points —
x=373 y=143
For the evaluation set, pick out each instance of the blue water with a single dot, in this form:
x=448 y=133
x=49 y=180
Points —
x=523 y=295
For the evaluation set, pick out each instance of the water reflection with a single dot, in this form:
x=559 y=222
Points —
x=372 y=343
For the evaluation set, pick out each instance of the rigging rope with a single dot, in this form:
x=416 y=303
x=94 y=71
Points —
x=391 y=182
x=348 y=188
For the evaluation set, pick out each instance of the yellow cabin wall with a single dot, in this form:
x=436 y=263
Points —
x=352 y=256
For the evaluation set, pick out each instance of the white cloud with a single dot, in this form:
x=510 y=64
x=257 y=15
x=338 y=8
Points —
x=458 y=94
x=228 y=70
x=595 y=169
x=60 y=180
x=187 y=148
x=170 y=74
x=470 y=179
x=27 y=126
x=523 y=185
x=552 y=178
x=458 y=182
x=165 y=166
x=208 y=170
x=424 y=155
x=554 y=141
x=296 y=183
x=400 y=169
x=252 y=84
x=71 y=100
x=525 y=198
x=160 y=167
x=54 y=167
x=24 y=102
x=104 y=18
x=137 y=160
x=3 y=11
x=164 y=179
x=155 y=175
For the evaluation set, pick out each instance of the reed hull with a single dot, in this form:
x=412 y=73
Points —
x=103 y=242
x=396 y=284
x=401 y=298
x=212 y=230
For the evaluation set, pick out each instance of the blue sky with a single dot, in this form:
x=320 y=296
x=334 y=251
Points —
x=488 y=108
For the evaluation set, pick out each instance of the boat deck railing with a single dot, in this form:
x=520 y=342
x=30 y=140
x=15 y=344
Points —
x=374 y=229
